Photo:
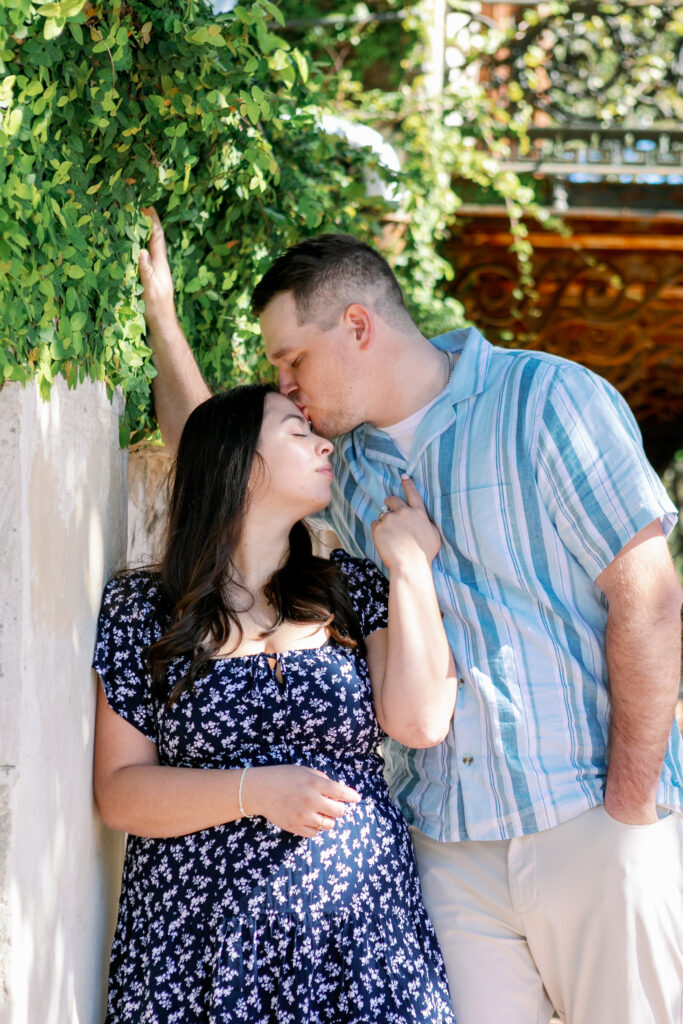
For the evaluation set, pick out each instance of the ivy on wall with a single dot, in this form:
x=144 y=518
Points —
x=376 y=61
x=106 y=108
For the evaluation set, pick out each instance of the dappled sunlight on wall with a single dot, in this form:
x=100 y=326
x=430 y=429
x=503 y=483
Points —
x=63 y=519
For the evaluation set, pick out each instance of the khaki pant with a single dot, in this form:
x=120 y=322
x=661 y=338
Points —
x=586 y=917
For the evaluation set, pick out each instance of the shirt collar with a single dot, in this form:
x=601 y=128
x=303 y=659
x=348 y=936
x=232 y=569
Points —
x=474 y=353
x=467 y=379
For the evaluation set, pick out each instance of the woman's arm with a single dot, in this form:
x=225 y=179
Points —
x=411 y=666
x=135 y=794
x=178 y=386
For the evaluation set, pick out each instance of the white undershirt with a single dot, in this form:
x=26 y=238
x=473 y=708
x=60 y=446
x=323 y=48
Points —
x=403 y=432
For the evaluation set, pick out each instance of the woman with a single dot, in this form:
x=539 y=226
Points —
x=245 y=687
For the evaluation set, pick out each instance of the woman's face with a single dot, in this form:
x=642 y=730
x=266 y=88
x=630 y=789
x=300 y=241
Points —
x=295 y=473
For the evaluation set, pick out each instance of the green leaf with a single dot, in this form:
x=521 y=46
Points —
x=253 y=111
x=53 y=27
x=14 y=121
x=274 y=11
x=50 y=10
x=124 y=433
x=301 y=64
x=198 y=36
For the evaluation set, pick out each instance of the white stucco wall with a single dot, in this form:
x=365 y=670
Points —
x=63 y=493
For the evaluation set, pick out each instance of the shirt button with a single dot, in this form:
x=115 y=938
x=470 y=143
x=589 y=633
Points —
x=467 y=760
x=461 y=681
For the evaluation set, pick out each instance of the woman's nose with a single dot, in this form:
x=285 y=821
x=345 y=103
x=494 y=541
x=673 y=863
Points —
x=324 y=446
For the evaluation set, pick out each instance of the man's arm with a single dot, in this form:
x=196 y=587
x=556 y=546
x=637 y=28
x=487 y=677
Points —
x=178 y=387
x=643 y=647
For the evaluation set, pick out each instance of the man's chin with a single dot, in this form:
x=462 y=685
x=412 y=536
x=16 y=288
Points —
x=328 y=428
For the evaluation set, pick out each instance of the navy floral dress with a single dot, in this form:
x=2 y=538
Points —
x=245 y=922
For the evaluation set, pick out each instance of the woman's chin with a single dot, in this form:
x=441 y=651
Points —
x=318 y=504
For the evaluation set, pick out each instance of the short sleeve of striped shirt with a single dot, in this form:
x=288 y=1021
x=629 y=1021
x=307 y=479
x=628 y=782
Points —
x=593 y=476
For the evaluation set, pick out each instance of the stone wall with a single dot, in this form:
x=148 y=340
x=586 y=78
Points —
x=62 y=535
x=148 y=470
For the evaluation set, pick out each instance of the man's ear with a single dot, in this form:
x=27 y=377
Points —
x=360 y=324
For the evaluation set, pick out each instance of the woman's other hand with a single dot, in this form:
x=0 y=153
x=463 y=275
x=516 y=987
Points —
x=300 y=800
x=405 y=531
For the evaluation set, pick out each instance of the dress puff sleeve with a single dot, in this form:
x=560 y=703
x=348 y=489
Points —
x=368 y=589
x=128 y=624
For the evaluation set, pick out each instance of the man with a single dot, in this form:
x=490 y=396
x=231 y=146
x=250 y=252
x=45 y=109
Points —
x=547 y=826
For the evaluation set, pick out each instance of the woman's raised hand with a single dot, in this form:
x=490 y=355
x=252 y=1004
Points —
x=405 y=530
x=300 y=800
x=155 y=276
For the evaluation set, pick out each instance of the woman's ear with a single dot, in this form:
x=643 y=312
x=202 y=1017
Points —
x=258 y=478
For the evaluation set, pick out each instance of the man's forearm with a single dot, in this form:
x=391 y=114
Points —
x=643 y=647
x=178 y=387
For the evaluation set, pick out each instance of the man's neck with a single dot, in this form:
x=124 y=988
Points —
x=417 y=375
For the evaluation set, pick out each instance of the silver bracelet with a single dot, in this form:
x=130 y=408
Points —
x=243 y=813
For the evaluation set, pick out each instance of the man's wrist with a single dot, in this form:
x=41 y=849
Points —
x=630 y=810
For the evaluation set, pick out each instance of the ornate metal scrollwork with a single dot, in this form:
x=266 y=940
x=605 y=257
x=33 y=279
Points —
x=579 y=61
x=621 y=316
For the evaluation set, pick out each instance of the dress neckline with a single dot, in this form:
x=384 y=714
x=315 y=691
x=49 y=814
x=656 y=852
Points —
x=273 y=655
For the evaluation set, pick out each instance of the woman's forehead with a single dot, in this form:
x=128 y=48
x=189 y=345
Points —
x=278 y=406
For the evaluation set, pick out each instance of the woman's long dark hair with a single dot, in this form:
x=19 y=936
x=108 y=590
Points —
x=209 y=497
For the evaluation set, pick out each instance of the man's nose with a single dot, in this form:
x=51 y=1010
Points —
x=286 y=382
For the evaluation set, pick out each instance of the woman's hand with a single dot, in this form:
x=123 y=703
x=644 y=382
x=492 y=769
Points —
x=155 y=276
x=300 y=800
x=178 y=387
x=406 y=531
x=136 y=794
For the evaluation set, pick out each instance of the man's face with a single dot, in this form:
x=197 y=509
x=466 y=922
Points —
x=318 y=369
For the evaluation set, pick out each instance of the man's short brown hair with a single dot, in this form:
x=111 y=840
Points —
x=326 y=274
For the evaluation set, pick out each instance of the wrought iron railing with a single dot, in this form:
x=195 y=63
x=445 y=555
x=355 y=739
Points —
x=589 y=152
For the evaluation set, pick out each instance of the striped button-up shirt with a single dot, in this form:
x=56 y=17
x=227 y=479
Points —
x=532 y=467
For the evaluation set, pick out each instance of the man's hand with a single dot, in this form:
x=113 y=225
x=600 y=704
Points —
x=155 y=276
